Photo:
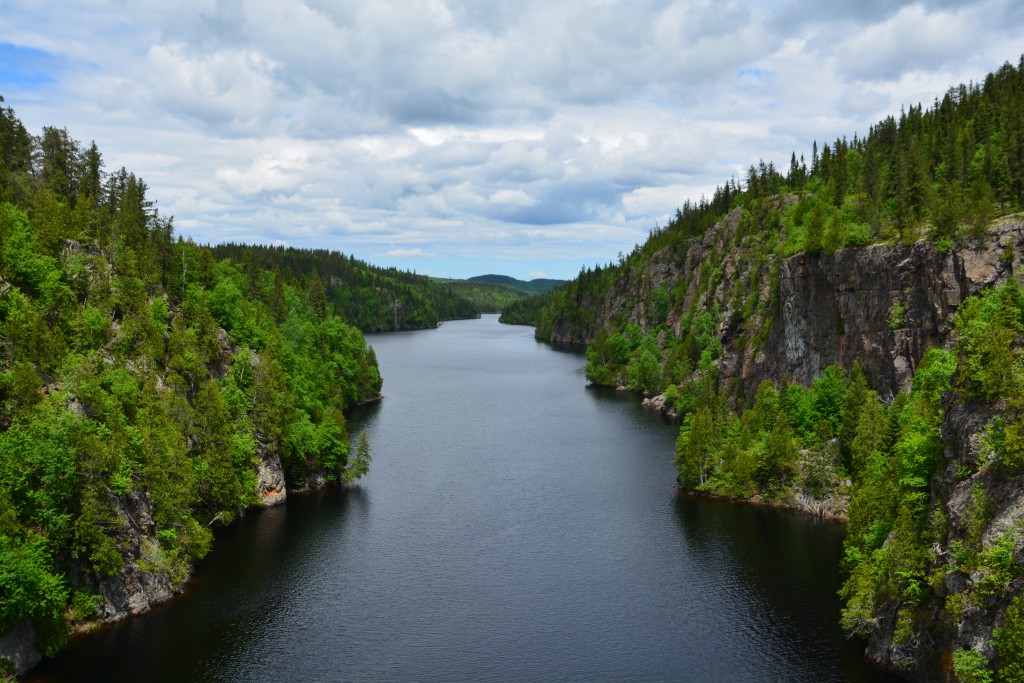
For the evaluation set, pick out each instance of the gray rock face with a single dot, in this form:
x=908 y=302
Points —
x=134 y=590
x=17 y=648
x=270 y=477
x=883 y=305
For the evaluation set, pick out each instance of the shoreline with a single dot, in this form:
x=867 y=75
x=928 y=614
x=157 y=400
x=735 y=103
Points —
x=805 y=508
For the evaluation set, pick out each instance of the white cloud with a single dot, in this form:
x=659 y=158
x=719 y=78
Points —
x=512 y=198
x=409 y=253
x=229 y=88
x=910 y=40
x=282 y=173
x=538 y=132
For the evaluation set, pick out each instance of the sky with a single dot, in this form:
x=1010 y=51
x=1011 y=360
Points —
x=463 y=137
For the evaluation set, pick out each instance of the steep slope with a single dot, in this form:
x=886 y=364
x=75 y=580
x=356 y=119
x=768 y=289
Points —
x=147 y=393
x=535 y=286
x=371 y=298
x=849 y=340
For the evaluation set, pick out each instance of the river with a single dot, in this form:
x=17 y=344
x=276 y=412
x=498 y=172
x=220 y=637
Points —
x=516 y=525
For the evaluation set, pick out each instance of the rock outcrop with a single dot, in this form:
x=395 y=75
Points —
x=270 y=476
x=142 y=582
x=882 y=305
x=17 y=649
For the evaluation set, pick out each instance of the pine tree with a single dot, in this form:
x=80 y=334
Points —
x=361 y=465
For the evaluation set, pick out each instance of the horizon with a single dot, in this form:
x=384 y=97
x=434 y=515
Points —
x=453 y=139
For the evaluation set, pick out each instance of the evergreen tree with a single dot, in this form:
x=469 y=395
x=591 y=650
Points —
x=360 y=464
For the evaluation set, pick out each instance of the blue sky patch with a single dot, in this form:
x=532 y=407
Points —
x=25 y=67
x=752 y=73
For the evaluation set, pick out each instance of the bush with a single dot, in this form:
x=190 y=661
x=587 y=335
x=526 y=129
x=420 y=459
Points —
x=971 y=666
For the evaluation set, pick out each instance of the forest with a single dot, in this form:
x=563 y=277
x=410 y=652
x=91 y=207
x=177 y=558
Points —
x=942 y=173
x=145 y=381
x=930 y=557
x=369 y=297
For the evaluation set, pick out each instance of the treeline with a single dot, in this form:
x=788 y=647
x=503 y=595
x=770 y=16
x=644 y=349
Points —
x=144 y=382
x=369 y=297
x=486 y=297
x=524 y=311
x=535 y=286
x=942 y=173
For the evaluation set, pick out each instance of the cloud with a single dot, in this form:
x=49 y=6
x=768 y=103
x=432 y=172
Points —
x=512 y=198
x=276 y=173
x=229 y=89
x=911 y=39
x=409 y=253
x=548 y=134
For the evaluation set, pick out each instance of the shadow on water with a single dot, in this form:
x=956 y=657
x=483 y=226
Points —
x=255 y=568
x=363 y=417
x=782 y=564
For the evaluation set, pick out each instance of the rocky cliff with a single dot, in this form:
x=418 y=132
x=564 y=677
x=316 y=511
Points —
x=954 y=610
x=146 y=578
x=882 y=305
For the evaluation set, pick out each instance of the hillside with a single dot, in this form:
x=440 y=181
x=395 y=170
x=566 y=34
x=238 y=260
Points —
x=848 y=339
x=371 y=298
x=149 y=392
x=486 y=297
x=535 y=286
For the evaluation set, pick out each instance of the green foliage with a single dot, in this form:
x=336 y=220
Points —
x=699 y=442
x=525 y=310
x=897 y=317
x=367 y=297
x=988 y=333
x=997 y=568
x=1010 y=643
x=970 y=666
x=360 y=465
x=30 y=589
x=138 y=372
x=487 y=297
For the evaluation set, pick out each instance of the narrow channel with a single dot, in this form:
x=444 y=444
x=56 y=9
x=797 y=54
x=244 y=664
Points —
x=516 y=525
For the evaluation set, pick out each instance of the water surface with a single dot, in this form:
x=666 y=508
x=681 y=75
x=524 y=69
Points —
x=515 y=525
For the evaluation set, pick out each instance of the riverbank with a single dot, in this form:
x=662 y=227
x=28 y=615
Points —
x=832 y=503
x=513 y=527
x=834 y=507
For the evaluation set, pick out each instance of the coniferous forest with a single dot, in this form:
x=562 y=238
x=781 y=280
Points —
x=153 y=389
x=932 y=552
x=146 y=382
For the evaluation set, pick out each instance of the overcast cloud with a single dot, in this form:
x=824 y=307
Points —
x=459 y=137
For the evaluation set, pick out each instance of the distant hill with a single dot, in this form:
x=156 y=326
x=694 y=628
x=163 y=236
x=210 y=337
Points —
x=372 y=298
x=495 y=293
x=487 y=297
x=538 y=286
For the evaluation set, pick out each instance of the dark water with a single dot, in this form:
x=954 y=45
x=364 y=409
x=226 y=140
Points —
x=515 y=525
